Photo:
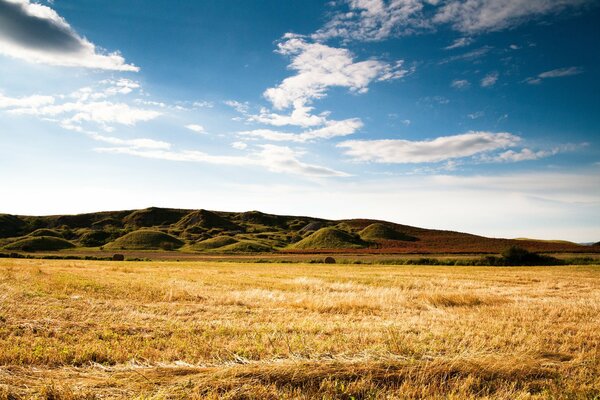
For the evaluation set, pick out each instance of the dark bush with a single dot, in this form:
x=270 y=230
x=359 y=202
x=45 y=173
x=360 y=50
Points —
x=118 y=257
x=329 y=260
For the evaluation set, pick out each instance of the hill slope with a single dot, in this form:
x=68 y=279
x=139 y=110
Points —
x=253 y=231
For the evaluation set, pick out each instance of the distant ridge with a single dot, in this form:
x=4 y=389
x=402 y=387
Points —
x=245 y=232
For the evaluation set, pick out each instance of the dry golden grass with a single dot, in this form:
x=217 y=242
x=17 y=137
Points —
x=169 y=330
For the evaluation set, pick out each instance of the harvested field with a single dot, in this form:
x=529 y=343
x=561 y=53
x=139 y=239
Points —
x=173 y=330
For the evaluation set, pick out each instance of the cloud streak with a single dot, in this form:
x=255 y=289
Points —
x=279 y=159
x=396 y=151
x=36 y=33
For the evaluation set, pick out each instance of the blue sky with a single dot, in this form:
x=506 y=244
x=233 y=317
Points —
x=470 y=115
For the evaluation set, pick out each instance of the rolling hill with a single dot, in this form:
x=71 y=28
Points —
x=245 y=232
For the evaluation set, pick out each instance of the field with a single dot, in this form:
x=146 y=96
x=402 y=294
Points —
x=170 y=330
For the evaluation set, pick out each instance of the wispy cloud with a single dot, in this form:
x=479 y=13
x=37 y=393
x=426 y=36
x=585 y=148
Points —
x=87 y=105
x=490 y=79
x=330 y=130
x=36 y=33
x=476 y=16
x=280 y=159
x=555 y=73
x=373 y=20
x=428 y=151
x=460 y=42
x=460 y=84
x=468 y=56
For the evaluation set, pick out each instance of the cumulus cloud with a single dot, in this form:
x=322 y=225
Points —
x=372 y=20
x=427 y=151
x=319 y=67
x=36 y=33
x=280 y=159
x=330 y=130
x=490 y=79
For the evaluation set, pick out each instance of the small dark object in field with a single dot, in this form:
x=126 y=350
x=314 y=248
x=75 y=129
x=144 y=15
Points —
x=329 y=260
x=118 y=257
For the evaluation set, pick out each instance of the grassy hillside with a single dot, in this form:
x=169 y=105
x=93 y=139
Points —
x=203 y=230
x=39 y=243
x=212 y=243
x=330 y=238
x=379 y=231
x=145 y=240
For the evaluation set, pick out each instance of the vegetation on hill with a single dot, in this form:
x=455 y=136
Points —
x=379 y=231
x=45 y=232
x=246 y=246
x=279 y=232
x=331 y=238
x=212 y=243
x=145 y=240
x=40 y=243
x=206 y=220
x=153 y=216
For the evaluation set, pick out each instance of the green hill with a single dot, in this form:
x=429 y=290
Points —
x=45 y=232
x=254 y=231
x=154 y=216
x=39 y=243
x=206 y=220
x=145 y=240
x=379 y=231
x=246 y=246
x=330 y=238
x=212 y=243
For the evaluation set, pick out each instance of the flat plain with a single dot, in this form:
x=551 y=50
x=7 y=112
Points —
x=72 y=329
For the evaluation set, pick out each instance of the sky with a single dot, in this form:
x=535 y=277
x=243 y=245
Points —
x=479 y=116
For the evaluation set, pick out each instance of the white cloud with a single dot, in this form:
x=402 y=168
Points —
x=460 y=84
x=87 y=105
x=36 y=33
x=240 y=107
x=330 y=130
x=475 y=115
x=555 y=73
x=460 y=42
x=468 y=56
x=27 y=101
x=203 y=104
x=99 y=112
x=196 y=128
x=319 y=67
x=300 y=116
x=427 y=151
x=490 y=79
x=139 y=143
x=476 y=16
x=278 y=159
x=239 y=145
x=522 y=155
x=371 y=20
